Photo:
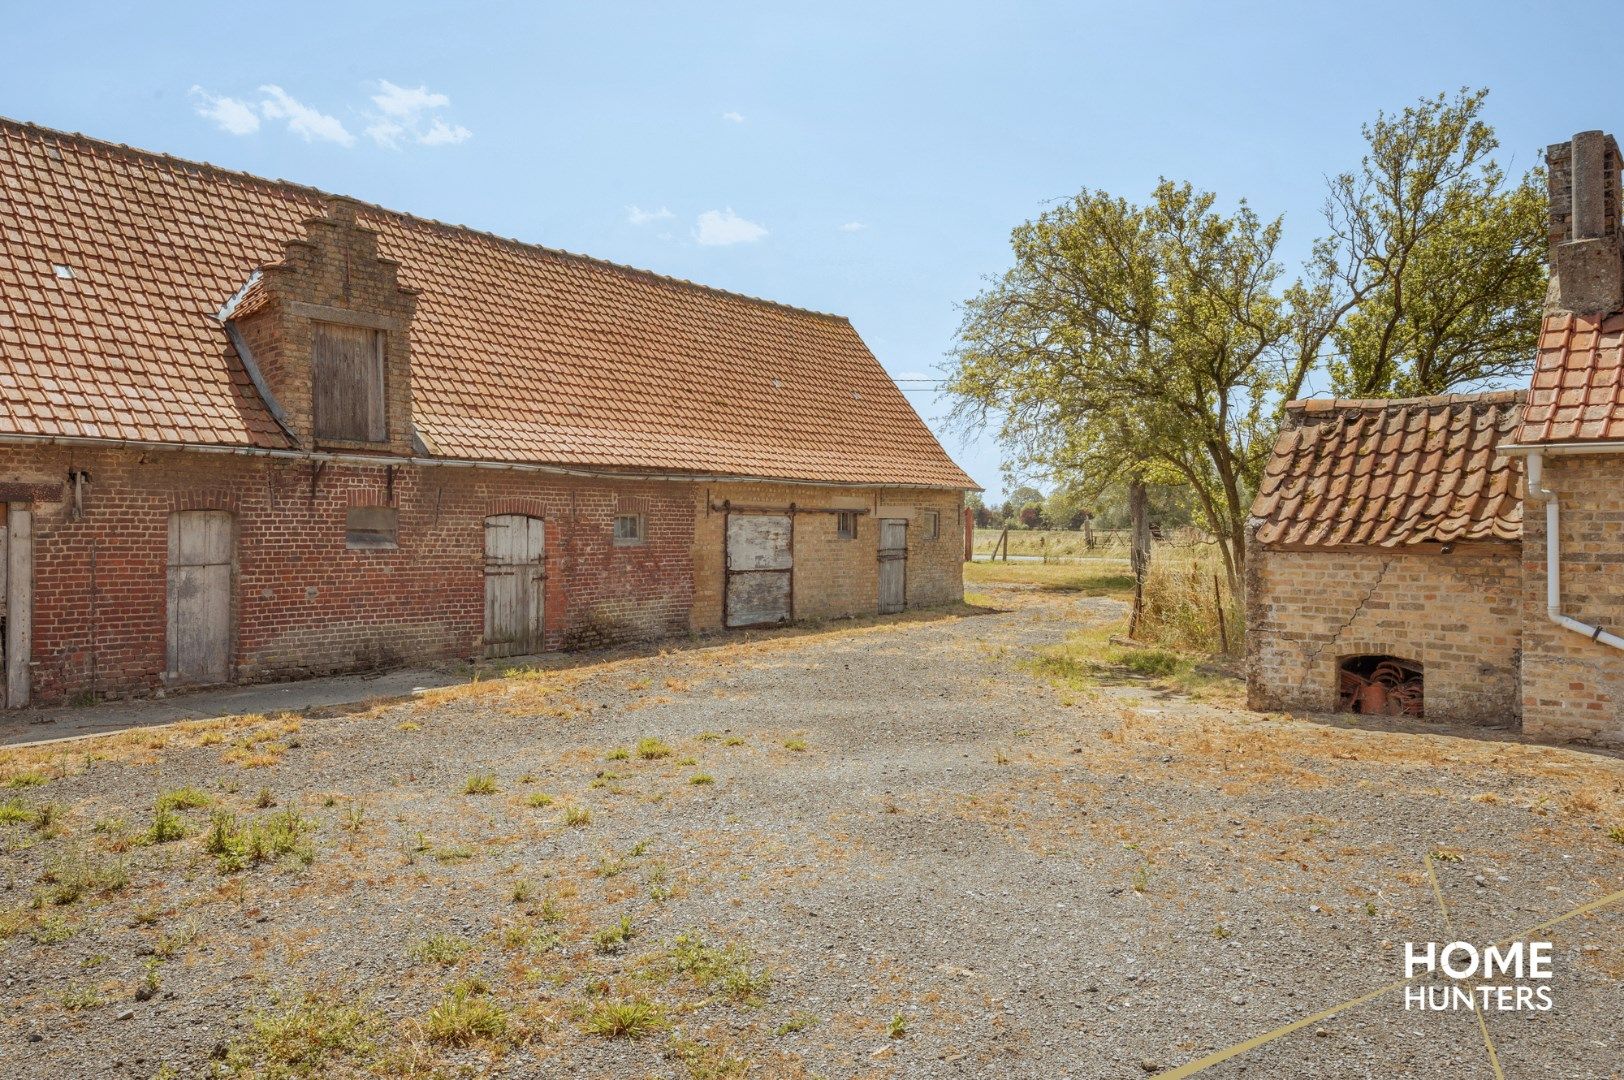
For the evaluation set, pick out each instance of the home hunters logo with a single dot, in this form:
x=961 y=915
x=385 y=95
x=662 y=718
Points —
x=1474 y=972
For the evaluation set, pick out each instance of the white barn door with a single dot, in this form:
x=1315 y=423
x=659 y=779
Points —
x=199 y=596
x=760 y=561
x=515 y=573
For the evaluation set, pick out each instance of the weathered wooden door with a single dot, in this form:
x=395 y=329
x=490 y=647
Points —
x=199 y=596
x=760 y=564
x=16 y=601
x=893 y=565
x=515 y=577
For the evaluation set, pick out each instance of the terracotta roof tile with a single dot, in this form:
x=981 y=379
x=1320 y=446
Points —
x=520 y=353
x=1392 y=473
x=1577 y=393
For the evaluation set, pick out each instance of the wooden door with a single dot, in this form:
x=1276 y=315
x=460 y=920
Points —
x=760 y=563
x=16 y=601
x=200 y=544
x=893 y=565
x=515 y=576
x=346 y=375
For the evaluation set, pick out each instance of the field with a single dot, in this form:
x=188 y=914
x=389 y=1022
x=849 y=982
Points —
x=983 y=840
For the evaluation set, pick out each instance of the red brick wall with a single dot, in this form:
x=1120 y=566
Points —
x=304 y=603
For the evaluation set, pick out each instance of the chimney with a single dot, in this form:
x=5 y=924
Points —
x=1587 y=264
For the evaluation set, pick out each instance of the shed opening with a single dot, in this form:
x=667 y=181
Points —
x=1379 y=685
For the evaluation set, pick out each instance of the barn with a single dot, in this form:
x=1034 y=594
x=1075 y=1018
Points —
x=251 y=431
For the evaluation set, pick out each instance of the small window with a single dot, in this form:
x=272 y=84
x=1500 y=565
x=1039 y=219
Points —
x=846 y=525
x=628 y=529
x=933 y=524
x=375 y=527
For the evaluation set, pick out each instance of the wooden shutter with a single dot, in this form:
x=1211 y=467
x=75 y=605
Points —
x=346 y=372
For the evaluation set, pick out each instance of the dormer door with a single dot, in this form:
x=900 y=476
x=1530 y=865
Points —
x=347 y=391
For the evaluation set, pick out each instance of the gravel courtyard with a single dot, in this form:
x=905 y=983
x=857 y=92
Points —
x=902 y=848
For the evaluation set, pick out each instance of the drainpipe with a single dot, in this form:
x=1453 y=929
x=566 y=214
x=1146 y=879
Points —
x=1553 y=557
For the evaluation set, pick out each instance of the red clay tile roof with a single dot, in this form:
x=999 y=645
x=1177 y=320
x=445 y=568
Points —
x=520 y=353
x=1392 y=473
x=1578 y=389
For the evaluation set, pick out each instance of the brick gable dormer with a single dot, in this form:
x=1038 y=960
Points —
x=327 y=337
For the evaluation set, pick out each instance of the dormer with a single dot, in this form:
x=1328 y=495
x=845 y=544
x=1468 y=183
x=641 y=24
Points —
x=326 y=337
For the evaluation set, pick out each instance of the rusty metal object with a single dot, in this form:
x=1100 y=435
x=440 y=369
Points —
x=1393 y=688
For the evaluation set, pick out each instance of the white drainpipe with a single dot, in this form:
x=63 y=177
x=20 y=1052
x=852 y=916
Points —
x=1553 y=558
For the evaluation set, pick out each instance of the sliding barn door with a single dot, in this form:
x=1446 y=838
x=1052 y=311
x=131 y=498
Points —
x=759 y=565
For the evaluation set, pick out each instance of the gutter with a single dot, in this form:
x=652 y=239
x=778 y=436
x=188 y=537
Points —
x=454 y=463
x=1553 y=538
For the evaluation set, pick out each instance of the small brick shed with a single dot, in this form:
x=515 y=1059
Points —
x=249 y=430
x=1475 y=539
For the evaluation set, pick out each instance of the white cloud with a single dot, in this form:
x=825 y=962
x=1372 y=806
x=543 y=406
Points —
x=721 y=227
x=305 y=122
x=440 y=133
x=733 y=117
x=386 y=133
x=853 y=226
x=406 y=114
x=407 y=103
x=228 y=113
x=638 y=216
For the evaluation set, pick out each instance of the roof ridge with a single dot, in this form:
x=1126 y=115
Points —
x=105 y=145
x=1481 y=397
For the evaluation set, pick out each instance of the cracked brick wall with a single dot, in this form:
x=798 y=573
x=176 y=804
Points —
x=1460 y=615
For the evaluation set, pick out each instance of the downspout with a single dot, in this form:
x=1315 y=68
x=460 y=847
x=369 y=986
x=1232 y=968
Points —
x=1553 y=557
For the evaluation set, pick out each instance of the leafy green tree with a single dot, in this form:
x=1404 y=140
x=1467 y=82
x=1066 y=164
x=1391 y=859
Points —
x=1134 y=343
x=1156 y=344
x=1433 y=275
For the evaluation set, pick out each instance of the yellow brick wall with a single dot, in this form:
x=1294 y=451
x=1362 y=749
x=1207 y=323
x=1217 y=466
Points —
x=1573 y=688
x=1460 y=615
x=834 y=578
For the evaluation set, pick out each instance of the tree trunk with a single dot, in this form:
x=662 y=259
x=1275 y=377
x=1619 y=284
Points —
x=1139 y=547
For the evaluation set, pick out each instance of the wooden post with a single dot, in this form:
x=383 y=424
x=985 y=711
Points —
x=1139 y=548
x=1218 y=599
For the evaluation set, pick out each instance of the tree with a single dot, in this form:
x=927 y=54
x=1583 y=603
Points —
x=1433 y=275
x=1134 y=344
x=1157 y=344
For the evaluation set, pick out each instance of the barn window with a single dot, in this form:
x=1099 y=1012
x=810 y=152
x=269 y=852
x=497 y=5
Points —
x=933 y=524
x=629 y=529
x=1379 y=685
x=376 y=527
x=846 y=525
x=346 y=371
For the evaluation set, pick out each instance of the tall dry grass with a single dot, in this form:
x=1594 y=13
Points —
x=1181 y=610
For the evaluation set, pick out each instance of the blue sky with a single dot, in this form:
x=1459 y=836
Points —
x=865 y=159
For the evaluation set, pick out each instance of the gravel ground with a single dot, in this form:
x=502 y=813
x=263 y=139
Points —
x=914 y=857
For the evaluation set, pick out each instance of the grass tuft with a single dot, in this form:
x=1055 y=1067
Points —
x=479 y=784
x=310 y=1035
x=625 y=1018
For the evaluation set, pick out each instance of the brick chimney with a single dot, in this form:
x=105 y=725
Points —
x=1587 y=263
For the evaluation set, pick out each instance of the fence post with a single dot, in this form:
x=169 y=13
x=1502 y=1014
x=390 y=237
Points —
x=1218 y=599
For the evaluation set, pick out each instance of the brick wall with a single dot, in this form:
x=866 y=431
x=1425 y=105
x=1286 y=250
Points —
x=1460 y=615
x=834 y=577
x=1573 y=687
x=304 y=603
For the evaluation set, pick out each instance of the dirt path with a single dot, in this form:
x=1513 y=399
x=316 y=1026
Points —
x=905 y=855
